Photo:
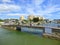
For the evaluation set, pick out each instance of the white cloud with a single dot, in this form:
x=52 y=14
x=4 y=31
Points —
x=38 y=2
x=30 y=8
x=16 y=14
x=50 y=8
x=9 y=7
x=9 y=1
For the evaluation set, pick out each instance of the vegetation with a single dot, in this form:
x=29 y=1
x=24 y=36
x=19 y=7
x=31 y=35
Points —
x=35 y=19
x=25 y=21
x=1 y=20
x=17 y=20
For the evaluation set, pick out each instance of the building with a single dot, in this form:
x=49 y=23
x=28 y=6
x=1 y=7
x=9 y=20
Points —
x=1 y=23
x=57 y=20
x=10 y=22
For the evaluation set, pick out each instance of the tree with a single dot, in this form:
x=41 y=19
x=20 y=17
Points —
x=1 y=20
x=30 y=18
x=25 y=21
x=16 y=20
x=36 y=19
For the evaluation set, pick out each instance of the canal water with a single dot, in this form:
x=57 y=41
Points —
x=11 y=37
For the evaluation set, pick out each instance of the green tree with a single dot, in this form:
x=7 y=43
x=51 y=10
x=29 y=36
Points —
x=35 y=19
x=25 y=21
x=1 y=20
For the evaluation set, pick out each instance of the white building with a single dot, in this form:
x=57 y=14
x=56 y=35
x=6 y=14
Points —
x=9 y=22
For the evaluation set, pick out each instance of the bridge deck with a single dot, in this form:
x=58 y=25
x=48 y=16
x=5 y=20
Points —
x=58 y=28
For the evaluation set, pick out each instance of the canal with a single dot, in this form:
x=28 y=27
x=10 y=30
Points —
x=11 y=37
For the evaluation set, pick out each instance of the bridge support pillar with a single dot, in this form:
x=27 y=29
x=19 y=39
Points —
x=48 y=30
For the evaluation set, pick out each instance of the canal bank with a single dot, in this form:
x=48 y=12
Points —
x=10 y=37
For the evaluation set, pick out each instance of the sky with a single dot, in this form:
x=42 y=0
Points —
x=49 y=9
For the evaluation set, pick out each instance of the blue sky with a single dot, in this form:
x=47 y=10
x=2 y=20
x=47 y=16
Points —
x=49 y=9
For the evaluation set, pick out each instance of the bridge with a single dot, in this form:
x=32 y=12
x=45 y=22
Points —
x=52 y=29
x=48 y=32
